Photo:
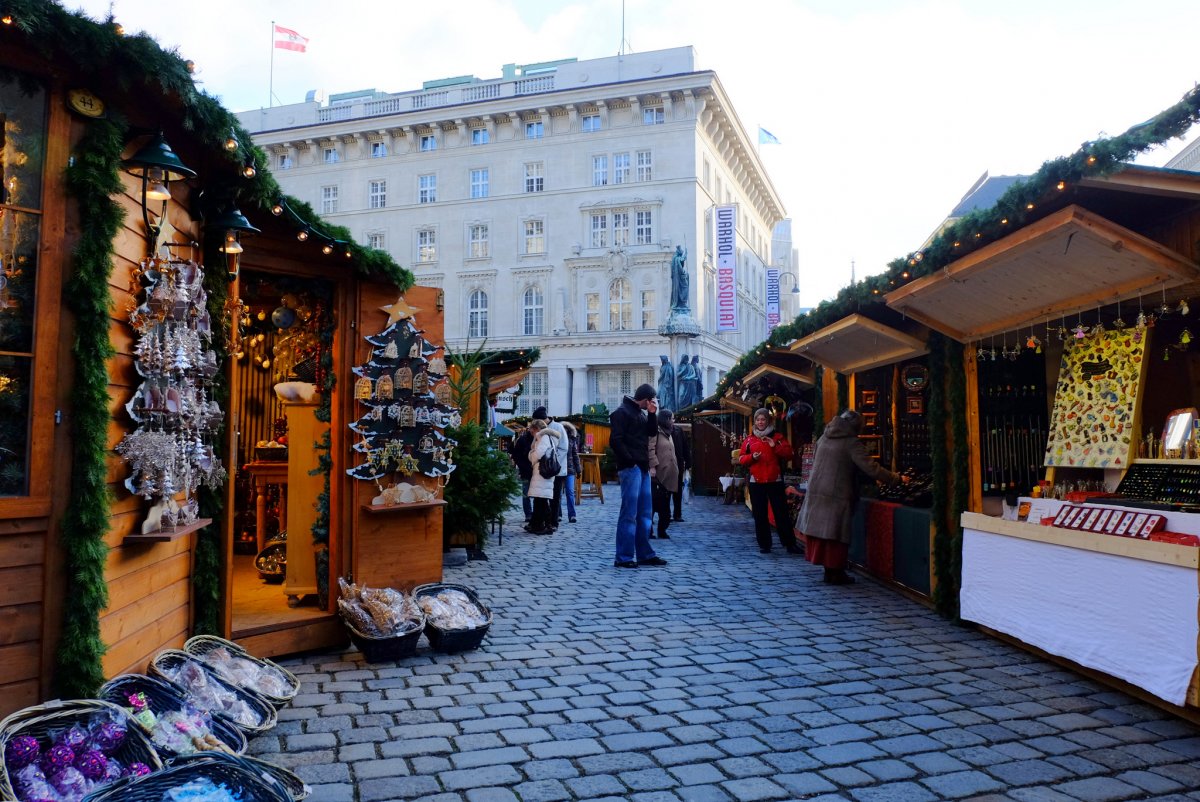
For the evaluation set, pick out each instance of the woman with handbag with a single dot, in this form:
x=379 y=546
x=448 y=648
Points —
x=763 y=453
x=541 y=488
x=664 y=470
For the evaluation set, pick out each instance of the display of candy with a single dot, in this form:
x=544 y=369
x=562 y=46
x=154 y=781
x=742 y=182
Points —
x=70 y=783
x=186 y=731
x=452 y=609
x=21 y=751
x=92 y=764
x=246 y=673
x=210 y=695
x=378 y=612
x=201 y=790
x=139 y=708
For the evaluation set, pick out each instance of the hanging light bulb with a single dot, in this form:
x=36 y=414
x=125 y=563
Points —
x=248 y=170
x=231 y=142
x=231 y=244
x=277 y=208
x=156 y=185
x=302 y=234
x=327 y=248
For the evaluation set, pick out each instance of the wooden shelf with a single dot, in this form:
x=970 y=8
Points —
x=166 y=535
x=380 y=509
x=1193 y=462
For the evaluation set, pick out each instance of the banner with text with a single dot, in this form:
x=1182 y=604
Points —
x=726 y=251
x=772 y=297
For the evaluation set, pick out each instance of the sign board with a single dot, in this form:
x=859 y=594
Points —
x=772 y=297
x=507 y=400
x=726 y=251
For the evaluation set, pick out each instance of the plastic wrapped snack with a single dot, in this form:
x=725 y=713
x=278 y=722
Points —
x=452 y=609
x=246 y=673
x=379 y=612
x=211 y=696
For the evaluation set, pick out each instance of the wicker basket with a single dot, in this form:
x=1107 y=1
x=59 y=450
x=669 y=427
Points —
x=453 y=640
x=271 y=454
x=171 y=658
x=236 y=774
x=163 y=697
x=40 y=720
x=296 y=788
x=385 y=649
x=201 y=645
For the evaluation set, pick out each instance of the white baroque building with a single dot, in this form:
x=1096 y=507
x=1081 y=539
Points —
x=547 y=205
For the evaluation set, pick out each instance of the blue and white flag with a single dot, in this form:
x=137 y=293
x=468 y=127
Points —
x=765 y=137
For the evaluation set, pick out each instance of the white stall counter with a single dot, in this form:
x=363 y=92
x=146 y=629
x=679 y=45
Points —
x=1123 y=606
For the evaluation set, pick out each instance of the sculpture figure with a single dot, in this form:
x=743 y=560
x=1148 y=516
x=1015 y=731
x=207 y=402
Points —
x=680 y=282
x=699 y=389
x=685 y=381
x=666 y=382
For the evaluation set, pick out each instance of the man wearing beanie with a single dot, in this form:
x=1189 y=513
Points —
x=633 y=424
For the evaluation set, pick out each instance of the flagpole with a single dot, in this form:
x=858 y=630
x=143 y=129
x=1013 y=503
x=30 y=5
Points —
x=271 y=84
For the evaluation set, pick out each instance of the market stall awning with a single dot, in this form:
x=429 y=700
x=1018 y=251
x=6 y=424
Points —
x=856 y=343
x=502 y=381
x=1069 y=261
x=736 y=404
x=806 y=378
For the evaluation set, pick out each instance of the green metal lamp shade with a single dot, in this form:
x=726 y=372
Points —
x=158 y=154
x=232 y=219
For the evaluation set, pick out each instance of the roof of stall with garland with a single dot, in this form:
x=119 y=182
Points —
x=1024 y=202
x=138 y=68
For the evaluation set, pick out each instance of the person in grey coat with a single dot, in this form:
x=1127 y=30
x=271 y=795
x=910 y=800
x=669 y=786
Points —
x=664 y=470
x=833 y=492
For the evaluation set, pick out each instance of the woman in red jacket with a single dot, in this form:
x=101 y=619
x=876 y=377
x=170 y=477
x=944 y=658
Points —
x=763 y=453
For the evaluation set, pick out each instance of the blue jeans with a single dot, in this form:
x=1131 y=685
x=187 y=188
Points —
x=569 y=492
x=633 y=522
x=526 y=502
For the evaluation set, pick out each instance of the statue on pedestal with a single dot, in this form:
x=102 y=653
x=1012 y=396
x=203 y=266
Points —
x=699 y=390
x=666 y=383
x=680 y=281
x=685 y=380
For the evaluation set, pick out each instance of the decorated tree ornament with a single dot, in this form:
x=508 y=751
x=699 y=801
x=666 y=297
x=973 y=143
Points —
x=390 y=351
x=383 y=388
x=21 y=751
x=404 y=378
x=1183 y=306
x=1185 y=337
x=363 y=389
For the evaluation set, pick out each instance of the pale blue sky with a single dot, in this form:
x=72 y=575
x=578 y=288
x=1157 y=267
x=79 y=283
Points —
x=887 y=110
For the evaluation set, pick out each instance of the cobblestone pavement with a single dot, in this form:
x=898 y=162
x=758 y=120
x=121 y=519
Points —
x=727 y=675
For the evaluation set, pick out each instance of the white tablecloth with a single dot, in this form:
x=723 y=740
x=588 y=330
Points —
x=1131 y=619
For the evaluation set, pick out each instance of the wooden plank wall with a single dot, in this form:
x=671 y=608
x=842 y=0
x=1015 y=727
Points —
x=149 y=585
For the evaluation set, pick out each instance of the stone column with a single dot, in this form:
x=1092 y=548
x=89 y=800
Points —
x=579 y=389
x=558 y=399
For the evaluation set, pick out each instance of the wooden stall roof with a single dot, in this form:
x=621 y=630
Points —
x=807 y=378
x=1067 y=262
x=736 y=404
x=856 y=343
x=503 y=381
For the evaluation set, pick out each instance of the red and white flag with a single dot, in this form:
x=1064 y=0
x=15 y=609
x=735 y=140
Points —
x=287 y=39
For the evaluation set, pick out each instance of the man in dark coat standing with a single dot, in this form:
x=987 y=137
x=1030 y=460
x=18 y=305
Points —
x=832 y=493
x=520 y=456
x=633 y=424
x=683 y=456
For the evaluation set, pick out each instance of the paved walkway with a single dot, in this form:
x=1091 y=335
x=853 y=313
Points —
x=727 y=675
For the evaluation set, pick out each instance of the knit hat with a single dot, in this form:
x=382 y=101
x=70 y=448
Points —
x=540 y=412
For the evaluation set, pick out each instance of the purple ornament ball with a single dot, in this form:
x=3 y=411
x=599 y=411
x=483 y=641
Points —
x=58 y=758
x=92 y=764
x=76 y=738
x=71 y=783
x=136 y=769
x=21 y=751
x=108 y=737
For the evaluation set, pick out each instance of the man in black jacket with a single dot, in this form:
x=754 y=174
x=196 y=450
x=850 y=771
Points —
x=633 y=424
x=520 y=455
x=683 y=455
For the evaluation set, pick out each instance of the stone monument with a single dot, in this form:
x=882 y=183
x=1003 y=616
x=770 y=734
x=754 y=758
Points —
x=679 y=328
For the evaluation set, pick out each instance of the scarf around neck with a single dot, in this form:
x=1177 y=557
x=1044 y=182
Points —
x=764 y=433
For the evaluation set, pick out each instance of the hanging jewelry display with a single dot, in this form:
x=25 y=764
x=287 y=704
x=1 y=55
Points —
x=170 y=451
x=402 y=440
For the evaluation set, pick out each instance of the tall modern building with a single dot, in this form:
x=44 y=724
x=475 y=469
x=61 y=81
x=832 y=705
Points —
x=547 y=205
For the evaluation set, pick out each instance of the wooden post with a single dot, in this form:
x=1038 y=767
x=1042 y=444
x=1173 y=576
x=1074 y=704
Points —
x=974 y=460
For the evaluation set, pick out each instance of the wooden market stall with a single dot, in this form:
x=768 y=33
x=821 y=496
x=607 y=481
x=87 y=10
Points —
x=124 y=262
x=1078 y=351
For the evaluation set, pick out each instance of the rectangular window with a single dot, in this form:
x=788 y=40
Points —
x=620 y=168
x=707 y=176
x=427 y=245
x=534 y=181
x=378 y=150
x=479 y=183
x=426 y=189
x=653 y=115
x=535 y=236
x=428 y=142
x=591 y=123
x=479 y=242
x=331 y=155
x=609 y=386
x=480 y=136
x=376 y=241
x=591 y=311
x=535 y=392
x=534 y=130
x=620 y=227
x=285 y=161
x=377 y=197
x=600 y=230
x=599 y=171
x=649 y=318
x=645 y=166
x=644 y=232
x=329 y=200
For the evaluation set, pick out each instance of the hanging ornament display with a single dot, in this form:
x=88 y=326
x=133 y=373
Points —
x=442 y=393
x=401 y=425
x=170 y=451
x=437 y=366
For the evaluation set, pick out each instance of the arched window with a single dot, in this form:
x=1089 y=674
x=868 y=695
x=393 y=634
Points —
x=477 y=314
x=533 y=311
x=620 y=305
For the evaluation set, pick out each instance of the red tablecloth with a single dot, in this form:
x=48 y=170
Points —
x=880 y=532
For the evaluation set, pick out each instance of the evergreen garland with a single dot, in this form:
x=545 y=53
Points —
x=324 y=413
x=956 y=399
x=93 y=179
x=819 y=406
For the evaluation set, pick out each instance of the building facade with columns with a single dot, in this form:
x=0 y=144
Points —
x=547 y=205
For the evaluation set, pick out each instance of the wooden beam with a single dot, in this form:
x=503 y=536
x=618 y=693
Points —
x=974 y=451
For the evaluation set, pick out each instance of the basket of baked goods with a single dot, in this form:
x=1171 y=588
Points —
x=384 y=623
x=270 y=451
x=269 y=680
x=64 y=750
x=295 y=787
x=206 y=690
x=223 y=779
x=175 y=725
x=455 y=619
